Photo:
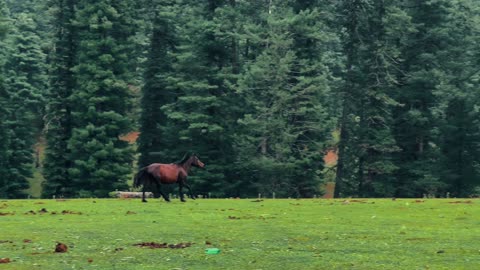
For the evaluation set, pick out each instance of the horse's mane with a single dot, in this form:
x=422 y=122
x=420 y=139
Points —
x=184 y=159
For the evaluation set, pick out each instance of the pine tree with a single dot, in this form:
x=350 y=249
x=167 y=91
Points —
x=153 y=140
x=415 y=124
x=315 y=47
x=59 y=117
x=102 y=162
x=284 y=129
x=458 y=133
x=4 y=141
x=25 y=88
x=199 y=115
x=375 y=32
x=3 y=20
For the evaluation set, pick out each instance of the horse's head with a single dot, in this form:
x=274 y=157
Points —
x=196 y=162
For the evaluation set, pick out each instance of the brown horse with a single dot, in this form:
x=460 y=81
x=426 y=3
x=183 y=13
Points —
x=158 y=173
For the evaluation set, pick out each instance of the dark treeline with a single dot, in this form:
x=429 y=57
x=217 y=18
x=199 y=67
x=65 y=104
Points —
x=260 y=90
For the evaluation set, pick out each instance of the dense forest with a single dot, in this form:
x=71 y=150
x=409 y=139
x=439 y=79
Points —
x=259 y=90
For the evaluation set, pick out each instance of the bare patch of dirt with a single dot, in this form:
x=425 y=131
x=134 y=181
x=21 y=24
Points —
x=5 y=260
x=61 y=248
x=6 y=241
x=355 y=201
x=69 y=212
x=457 y=202
x=163 y=245
x=41 y=211
x=6 y=214
x=130 y=213
x=130 y=137
x=359 y=201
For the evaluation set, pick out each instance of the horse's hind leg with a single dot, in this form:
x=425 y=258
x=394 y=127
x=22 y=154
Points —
x=156 y=191
x=143 y=193
x=160 y=190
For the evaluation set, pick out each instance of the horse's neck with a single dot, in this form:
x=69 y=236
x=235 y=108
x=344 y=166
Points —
x=187 y=165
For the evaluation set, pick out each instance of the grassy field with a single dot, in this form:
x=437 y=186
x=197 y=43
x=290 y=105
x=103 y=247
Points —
x=251 y=234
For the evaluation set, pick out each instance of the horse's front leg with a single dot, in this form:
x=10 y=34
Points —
x=190 y=193
x=180 y=191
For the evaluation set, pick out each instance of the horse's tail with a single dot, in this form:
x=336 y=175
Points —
x=140 y=177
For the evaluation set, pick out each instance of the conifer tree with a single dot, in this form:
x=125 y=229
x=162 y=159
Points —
x=101 y=161
x=375 y=32
x=416 y=127
x=4 y=141
x=25 y=88
x=316 y=47
x=458 y=133
x=154 y=141
x=198 y=115
x=284 y=129
x=59 y=124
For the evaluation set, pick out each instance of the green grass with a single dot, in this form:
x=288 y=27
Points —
x=271 y=234
x=35 y=184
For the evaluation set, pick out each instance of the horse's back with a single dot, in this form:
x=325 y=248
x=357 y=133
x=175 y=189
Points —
x=166 y=173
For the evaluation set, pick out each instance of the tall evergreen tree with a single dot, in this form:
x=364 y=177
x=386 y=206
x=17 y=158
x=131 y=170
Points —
x=284 y=129
x=154 y=139
x=4 y=141
x=375 y=32
x=102 y=162
x=58 y=159
x=25 y=91
x=316 y=48
x=200 y=94
x=3 y=20
x=455 y=111
x=415 y=123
